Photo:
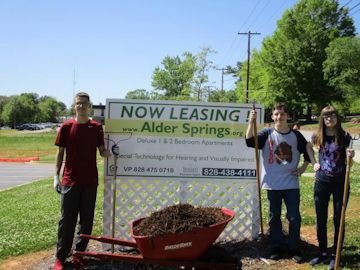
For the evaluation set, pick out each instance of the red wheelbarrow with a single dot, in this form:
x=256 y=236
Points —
x=186 y=249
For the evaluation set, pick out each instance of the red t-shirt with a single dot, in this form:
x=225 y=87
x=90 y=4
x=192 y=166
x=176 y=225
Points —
x=81 y=142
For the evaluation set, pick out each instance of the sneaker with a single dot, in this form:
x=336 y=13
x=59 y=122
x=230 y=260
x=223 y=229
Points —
x=296 y=255
x=322 y=257
x=275 y=254
x=58 y=265
x=332 y=263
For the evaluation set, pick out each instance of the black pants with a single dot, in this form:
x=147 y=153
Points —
x=75 y=201
x=322 y=193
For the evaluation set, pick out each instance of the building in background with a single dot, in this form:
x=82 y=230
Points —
x=99 y=113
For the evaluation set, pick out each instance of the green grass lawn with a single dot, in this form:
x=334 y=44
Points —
x=29 y=215
x=15 y=144
x=351 y=252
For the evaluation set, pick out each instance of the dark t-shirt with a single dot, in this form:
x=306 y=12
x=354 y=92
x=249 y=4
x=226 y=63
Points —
x=81 y=142
x=332 y=160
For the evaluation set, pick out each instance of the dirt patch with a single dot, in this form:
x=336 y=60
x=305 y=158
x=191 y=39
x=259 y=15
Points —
x=29 y=261
x=252 y=255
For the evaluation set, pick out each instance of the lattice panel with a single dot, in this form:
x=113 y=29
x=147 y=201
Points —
x=138 y=198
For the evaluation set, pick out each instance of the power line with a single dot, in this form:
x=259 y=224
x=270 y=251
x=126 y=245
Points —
x=257 y=15
x=249 y=16
x=348 y=2
x=248 y=63
x=274 y=13
x=354 y=7
x=236 y=45
x=233 y=48
x=356 y=11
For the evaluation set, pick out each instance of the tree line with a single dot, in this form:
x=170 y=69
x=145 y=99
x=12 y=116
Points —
x=29 y=108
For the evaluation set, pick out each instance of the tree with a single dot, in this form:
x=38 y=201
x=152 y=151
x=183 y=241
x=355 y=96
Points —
x=138 y=94
x=258 y=83
x=219 y=96
x=293 y=56
x=203 y=65
x=28 y=108
x=11 y=113
x=174 y=80
x=342 y=67
x=3 y=101
x=235 y=70
x=49 y=109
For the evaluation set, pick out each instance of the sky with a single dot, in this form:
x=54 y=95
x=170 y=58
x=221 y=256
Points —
x=108 y=48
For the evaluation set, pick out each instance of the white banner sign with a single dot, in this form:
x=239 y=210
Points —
x=179 y=139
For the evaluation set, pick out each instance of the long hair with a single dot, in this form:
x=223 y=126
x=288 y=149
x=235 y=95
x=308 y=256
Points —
x=319 y=139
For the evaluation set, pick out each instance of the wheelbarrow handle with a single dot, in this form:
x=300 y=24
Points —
x=109 y=240
x=139 y=259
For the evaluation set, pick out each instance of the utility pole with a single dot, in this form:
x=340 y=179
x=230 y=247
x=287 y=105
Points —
x=248 y=63
x=222 y=79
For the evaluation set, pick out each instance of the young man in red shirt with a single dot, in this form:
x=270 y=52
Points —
x=79 y=139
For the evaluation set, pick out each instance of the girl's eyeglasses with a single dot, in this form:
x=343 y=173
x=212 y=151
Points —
x=331 y=116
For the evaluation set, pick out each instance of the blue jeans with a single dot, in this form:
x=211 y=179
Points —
x=291 y=199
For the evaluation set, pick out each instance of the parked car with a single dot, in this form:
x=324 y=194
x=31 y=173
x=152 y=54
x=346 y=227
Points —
x=28 y=126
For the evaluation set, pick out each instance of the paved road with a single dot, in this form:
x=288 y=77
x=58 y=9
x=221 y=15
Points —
x=15 y=174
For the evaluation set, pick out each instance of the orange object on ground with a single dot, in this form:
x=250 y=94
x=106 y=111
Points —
x=24 y=159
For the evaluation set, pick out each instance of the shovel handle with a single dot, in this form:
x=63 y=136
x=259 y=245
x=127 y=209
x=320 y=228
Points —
x=343 y=209
x=257 y=173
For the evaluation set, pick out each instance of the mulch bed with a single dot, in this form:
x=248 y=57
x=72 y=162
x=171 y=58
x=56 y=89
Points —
x=177 y=219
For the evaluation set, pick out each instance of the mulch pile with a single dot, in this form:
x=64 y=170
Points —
x=178 y=219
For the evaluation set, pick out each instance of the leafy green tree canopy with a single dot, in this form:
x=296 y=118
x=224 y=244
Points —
x=138 y=94
x=292 y=58
x=174 y=79
x=342 y=66
x=29 y=108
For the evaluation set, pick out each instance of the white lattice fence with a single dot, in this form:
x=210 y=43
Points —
x=138 y=198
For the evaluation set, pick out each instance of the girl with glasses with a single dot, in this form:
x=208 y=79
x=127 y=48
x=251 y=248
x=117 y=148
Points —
x=331 y=142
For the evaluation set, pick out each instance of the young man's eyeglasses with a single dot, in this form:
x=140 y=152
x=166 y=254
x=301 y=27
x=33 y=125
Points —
x=85 y=103
x=330 y=116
